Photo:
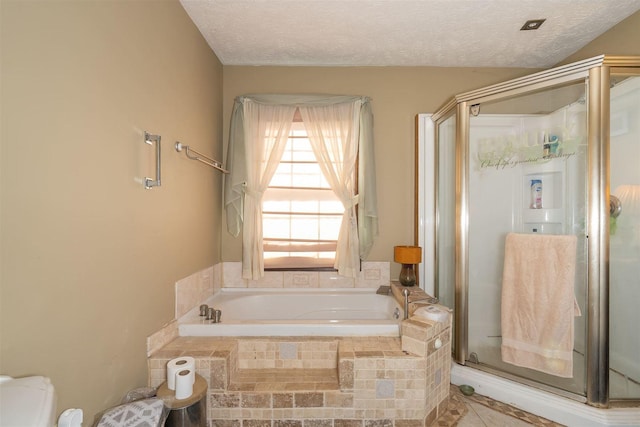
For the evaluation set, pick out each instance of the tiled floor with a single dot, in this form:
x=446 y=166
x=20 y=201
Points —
x=480 y=411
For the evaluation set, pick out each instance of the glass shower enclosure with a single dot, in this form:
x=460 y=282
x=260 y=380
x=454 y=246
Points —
x=556 y=152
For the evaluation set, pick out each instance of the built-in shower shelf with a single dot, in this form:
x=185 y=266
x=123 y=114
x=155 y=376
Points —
x=543 y=215
x=543 y=221
x=551 y=193
x=543 y=227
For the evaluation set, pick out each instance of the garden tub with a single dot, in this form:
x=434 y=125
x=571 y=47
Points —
x=297 y=312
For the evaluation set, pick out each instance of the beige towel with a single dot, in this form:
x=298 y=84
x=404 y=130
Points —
x=538 y=302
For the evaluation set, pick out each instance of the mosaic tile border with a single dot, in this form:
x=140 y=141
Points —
x=457 y=409
x=512 y=411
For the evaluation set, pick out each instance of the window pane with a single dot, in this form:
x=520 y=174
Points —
x=301 y=218
x=304 y=228
x=276 y=206
x=276 y=227
x=331 y=206
x=305 y=206
x=330 y=227
x=307 y=175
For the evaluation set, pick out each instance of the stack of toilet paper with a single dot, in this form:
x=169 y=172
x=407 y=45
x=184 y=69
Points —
x=181 y=375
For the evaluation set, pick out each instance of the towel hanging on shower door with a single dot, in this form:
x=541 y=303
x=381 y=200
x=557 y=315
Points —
x=538 y=302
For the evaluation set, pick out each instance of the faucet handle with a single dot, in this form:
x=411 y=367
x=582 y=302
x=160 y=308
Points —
x=203 y=309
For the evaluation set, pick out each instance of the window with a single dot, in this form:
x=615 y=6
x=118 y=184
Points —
x=301 y=215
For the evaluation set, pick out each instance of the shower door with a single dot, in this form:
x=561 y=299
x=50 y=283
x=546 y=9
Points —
x=624 y=248
x=526 y=174
x=445 y=204
x=445 y=210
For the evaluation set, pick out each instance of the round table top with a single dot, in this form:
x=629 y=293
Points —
x=169 y=396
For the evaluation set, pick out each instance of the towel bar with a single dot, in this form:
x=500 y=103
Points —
x=200 y=157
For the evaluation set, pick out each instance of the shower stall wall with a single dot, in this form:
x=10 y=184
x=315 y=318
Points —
x=541 y=154
x=518 y=185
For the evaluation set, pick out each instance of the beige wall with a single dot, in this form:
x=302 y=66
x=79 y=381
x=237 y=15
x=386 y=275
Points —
x=623 y=39
x=89 y=257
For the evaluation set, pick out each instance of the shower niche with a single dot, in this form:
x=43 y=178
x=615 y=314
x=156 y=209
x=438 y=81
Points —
x=542 y=210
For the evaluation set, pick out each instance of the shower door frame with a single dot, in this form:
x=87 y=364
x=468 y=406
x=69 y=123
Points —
x=596 y=73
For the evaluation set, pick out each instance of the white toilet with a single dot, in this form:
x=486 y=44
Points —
x=31 y=402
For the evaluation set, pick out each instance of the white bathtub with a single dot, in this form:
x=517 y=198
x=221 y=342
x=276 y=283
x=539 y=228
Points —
x=297 y=312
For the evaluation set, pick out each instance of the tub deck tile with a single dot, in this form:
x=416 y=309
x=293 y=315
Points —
x=268 y=387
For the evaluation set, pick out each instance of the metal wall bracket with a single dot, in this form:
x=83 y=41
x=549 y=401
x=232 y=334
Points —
x=199 y=157
x=150 y=139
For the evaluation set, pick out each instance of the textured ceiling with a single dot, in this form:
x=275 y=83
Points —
x=446 y=33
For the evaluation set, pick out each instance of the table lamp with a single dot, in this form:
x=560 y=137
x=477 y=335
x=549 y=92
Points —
x=408 y=256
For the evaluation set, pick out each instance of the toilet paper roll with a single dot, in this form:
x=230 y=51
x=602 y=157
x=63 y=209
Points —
x=176 y=365
x=432 y=312
x=184 y=383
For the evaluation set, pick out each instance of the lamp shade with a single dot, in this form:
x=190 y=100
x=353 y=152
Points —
x=407 y=254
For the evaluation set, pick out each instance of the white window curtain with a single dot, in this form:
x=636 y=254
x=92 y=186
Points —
x=333 y=132
x=256 y=141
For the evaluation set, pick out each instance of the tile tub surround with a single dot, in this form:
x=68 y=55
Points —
x=373 y=275
x=190 y=291
x=320 y=381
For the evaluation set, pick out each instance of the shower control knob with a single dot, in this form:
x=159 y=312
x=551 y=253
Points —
x=438 y=343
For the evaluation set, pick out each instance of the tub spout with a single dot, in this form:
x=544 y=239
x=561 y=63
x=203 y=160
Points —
x=406 y=293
